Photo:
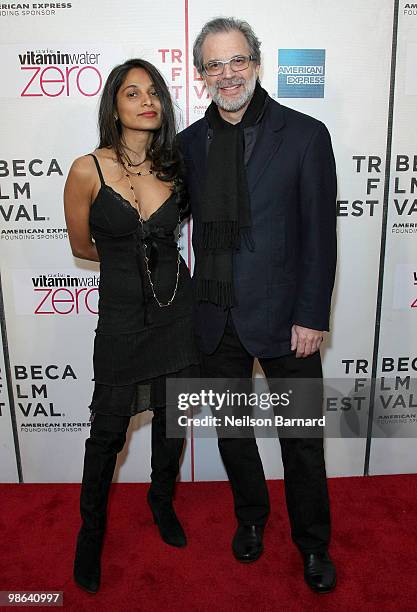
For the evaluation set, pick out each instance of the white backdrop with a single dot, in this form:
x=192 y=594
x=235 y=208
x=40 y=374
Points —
x=399 y=306
x=49 y=115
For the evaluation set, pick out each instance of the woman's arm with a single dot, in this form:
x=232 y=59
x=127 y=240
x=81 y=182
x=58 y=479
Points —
x=77 y=201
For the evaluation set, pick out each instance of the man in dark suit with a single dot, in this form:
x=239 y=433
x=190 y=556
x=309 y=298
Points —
x=262 y=185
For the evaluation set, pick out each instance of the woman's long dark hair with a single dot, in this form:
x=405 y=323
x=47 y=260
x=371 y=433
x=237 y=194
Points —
x=163 y=151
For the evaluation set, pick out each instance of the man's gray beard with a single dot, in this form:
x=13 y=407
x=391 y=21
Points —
x=238 y=103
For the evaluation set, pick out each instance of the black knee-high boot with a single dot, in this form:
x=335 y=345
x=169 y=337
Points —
x=101 y=450
x=165 y=462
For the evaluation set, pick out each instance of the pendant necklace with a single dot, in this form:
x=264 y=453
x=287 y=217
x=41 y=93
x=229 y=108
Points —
x=150 y=171
x=130 y=163
x=148 y=271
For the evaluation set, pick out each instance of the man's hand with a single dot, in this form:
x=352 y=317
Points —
x=305 y=341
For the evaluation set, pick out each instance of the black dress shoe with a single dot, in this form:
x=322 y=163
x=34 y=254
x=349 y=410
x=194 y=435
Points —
x=247 y=543
x=319 y=572
x=167 y=521
x=87 y=562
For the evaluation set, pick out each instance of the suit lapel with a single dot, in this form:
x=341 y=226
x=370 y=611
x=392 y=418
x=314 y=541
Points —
x=267 y=144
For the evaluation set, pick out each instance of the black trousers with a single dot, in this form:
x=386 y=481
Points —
x=303 y=458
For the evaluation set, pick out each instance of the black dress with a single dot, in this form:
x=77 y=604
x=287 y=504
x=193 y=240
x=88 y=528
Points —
x=138 y=343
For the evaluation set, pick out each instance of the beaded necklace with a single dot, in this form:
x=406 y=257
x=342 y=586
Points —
x=148 y=271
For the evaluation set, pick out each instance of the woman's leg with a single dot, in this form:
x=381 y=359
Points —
x=107 y=438
x=165 y=463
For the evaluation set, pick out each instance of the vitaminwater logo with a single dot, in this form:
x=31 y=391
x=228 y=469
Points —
x=68 y=293
x=55 y=73
x=405 y=287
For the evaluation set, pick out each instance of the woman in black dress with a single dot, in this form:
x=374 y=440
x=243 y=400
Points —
x=123 y=206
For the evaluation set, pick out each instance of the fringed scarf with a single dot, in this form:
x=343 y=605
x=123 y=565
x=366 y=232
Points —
x=225 y=209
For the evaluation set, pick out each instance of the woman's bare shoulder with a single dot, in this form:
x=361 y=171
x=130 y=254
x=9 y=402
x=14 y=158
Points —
x=105 y=154
x=82 y=167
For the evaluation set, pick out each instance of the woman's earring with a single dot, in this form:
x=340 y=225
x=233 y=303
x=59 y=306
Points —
x=116 y=118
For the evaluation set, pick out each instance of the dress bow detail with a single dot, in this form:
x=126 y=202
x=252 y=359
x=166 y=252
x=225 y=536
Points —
x=149 y=237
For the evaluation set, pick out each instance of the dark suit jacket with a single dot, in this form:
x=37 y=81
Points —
x=289 y=277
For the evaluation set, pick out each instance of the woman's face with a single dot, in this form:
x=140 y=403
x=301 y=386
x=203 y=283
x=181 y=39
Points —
x=137 y=103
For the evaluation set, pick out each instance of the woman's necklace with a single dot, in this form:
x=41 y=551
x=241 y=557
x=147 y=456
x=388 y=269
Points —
x=150 y=171
x=132 y=165
x=148 y=272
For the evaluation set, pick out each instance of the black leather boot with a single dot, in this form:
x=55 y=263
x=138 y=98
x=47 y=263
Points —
x=165 y=461
x=87 y=566
x=164 y=517
x=101 y=450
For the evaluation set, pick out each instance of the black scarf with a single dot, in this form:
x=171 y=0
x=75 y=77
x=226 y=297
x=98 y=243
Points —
x=225 y=208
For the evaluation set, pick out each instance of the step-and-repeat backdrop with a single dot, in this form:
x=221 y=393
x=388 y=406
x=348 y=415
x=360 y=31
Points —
x=352 y=65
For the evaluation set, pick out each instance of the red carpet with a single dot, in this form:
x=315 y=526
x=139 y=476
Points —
x=374 y=546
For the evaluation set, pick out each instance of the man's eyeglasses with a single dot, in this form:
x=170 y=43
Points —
x=237 y=63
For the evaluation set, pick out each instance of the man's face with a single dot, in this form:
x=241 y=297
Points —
x=231 y=91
